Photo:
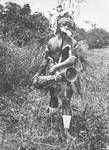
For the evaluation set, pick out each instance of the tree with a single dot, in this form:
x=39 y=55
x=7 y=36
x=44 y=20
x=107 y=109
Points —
x=20 y=27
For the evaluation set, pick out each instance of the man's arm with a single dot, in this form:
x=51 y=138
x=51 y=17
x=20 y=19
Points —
x=44 y=80
x=66 y=60
x=73 y=46
x=67 y=63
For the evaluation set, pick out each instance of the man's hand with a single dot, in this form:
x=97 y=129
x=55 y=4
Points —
x=53 y=69
x=58 y=77
x=34 y=79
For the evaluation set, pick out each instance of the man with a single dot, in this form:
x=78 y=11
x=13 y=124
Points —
x=61 y=52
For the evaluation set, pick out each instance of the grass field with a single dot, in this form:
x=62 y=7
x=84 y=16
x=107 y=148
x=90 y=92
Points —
x=36 y=129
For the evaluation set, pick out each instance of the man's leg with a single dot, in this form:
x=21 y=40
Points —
x=53 y=104
x=66 y=107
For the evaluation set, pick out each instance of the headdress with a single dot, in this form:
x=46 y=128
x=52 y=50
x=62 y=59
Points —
x=66 y=19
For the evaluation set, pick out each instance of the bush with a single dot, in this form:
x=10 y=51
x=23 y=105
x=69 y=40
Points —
x=20 y=27
x=96 y=38
x=18 y=65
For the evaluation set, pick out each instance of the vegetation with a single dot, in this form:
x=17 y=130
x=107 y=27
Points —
x=19 y=26
x=96 y=38
x=22 y=37
x=24 y=122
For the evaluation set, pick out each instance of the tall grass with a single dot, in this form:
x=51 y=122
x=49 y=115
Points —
x=25 y=122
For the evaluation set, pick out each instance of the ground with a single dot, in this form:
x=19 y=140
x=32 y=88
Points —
x=36 y=125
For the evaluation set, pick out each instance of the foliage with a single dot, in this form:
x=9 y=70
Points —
x=23 y=36
x=19 y=26
x=24 y=122
x=18 y=65
x=96 y=38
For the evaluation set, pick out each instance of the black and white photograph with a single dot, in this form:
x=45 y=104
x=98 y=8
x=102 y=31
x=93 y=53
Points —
x=54 y=74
